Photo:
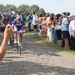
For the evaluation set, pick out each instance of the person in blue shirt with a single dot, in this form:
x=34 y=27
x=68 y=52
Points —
x=65 y=30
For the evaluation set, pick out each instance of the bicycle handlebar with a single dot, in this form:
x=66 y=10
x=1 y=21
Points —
x=19 y=31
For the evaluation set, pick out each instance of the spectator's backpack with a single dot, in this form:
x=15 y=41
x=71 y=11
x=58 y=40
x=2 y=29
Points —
x=30 y=17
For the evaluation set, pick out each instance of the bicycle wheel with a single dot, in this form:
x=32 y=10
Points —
x=19 y=50
x=17 y=47
x=12 y=44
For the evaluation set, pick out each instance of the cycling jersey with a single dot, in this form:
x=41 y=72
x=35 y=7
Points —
x=18 y=26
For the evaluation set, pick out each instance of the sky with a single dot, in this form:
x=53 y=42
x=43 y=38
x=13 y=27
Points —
x=50 y=6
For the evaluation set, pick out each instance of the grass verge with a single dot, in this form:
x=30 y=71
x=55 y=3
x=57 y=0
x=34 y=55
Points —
x=49 y=43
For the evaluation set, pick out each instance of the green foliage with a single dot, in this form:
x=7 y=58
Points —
x=23 y=9
x=2 y=8
x=10 y=8
x=34 y=8
x=41 y=11
x=25 y=13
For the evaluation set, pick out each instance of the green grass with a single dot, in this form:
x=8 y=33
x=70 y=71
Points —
x=0 y=21
x=49 y=43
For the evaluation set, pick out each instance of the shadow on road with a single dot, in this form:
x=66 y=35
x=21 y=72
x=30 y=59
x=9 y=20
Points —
x=30 y=68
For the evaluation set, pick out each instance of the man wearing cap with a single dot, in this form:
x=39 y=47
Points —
x=65 y=32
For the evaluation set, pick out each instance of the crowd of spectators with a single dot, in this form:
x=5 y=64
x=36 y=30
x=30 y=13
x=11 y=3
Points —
x=59 y=28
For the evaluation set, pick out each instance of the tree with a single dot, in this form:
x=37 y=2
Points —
x=2 y=8
x=41 y=11
x=24 y=8
x=10 y=8
x=34 y=8
x=25 y=13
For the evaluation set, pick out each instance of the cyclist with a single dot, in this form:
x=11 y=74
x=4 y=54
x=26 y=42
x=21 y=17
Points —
x=19 y=25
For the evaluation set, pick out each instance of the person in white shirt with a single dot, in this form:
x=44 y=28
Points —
x=35 y=22
x=58 y=31
x=72 y=33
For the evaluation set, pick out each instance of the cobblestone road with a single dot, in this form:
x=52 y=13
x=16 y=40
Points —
x=37 y=59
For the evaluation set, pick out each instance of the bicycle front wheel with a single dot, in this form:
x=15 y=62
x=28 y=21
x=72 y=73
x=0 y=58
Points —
x=19 y=49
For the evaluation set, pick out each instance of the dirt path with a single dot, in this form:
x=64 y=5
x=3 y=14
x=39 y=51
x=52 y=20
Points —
x=37 y=59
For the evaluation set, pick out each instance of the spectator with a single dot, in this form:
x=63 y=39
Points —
x=44 y=26
x=29 y=19
x=40 y=20
x=67 y=15
x=54 y=34
x=24 y=18
x=35 y=22
x=72 y=32
x=65 y=32
x=58 y=31
x=49 y=23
